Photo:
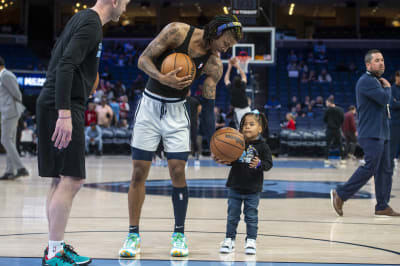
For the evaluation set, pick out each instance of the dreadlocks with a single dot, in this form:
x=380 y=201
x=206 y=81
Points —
x=211 y=31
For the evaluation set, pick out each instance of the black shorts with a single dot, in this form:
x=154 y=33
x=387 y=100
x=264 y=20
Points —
x=65 y=162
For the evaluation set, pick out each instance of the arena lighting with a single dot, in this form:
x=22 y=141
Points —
x=4 y=4
x=291 y=9
x=78 y=6
x=225 y=8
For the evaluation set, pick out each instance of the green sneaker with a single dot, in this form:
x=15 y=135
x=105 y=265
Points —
x=131 y=246
x=179 y=246
x=61 y=259
x=79 y=260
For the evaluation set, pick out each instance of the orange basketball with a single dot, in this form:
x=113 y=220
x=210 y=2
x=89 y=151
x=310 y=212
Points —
x=176 y=60
x=227 y=144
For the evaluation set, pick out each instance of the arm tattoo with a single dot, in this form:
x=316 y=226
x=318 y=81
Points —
x=214 y=73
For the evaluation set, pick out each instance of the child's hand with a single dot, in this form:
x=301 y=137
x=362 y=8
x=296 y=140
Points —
x=254 y=162
x=218 y=160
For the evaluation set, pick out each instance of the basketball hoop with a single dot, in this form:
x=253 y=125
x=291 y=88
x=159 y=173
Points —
x=244 y=60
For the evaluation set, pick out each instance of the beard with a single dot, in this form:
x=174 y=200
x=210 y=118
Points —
x=377 y=73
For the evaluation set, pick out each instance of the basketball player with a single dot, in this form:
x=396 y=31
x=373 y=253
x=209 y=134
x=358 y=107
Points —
x=238 y=91
x=161 y=114
x=60 y=119
x=373 y=96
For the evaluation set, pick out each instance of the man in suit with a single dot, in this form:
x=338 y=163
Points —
x=11 y=109
x=373 y=94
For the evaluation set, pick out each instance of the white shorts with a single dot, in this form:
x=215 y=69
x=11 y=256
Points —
x=239 y=113
x=159 y=117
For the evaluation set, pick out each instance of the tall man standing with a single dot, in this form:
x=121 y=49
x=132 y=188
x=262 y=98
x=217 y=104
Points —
x=60 y=119
x=11 y=109
x=373 y=94
x=161 y=114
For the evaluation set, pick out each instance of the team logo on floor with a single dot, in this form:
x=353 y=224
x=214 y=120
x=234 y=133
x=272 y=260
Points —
x=215 y=188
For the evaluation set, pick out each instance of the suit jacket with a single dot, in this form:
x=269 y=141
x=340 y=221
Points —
x=10 y=96
x=395 y=105
x=372 y=105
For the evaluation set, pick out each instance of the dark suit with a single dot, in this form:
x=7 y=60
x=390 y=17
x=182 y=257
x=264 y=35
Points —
x=373 y=128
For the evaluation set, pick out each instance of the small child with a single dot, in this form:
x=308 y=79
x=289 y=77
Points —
x=245 y=182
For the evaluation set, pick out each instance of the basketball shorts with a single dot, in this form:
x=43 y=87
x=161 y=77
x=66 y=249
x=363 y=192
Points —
x=159 y=118
x=53 y=162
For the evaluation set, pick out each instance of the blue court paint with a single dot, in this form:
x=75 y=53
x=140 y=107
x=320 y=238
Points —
x=102 y=262
x=277 y=164
x=215 y=188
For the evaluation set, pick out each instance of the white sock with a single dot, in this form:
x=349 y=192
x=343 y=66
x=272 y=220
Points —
x=54 y=248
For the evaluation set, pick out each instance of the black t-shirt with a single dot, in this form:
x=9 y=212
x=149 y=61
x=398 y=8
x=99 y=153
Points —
x=334 y=118
x=238 y=95
x=74 y=63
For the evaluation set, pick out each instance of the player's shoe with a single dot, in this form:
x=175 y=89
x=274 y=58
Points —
x=60 y=259
x=227 y=246
x=179 y=246
x=250 y=247
x=79 y=260
x=131 y=246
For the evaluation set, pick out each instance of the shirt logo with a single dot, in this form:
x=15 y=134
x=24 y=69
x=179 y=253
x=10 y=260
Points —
x=99 y=50
x=200 y=66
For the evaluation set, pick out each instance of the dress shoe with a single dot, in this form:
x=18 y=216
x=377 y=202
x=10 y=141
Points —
x=7 y=176
x=387 y=212
x=337 y=202
x=22 y=172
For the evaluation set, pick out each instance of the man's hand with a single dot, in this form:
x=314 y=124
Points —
x=234 y=61
x=384 y=82
x=172 y=80
x=63 y=132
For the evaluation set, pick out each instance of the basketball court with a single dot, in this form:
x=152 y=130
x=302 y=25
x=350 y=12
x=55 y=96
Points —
x=296 y=221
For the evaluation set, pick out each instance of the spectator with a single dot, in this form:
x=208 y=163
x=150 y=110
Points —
x=324 y=77
x=292 y=57
x=293 y=103
x=312 y=76
x=115 y=108
x=104 y=113
x=90 y=114
x=290 y=123
x=106 y=75
x=310 y=58
x=333 y=118
x=350 y=131
x=27 y=140
x=319 y=102
x=123 y=123
x=219 y=118
x=121 y=61
x=124 y=107
x=119 y=89
x=304 y=78
x=307 y=101
x=299 y=111
x=293 y=70
x=321 y=58
x=319 y=48
x=353 y=68
x=303 y=67
x=272 y=103
x=310 y=111
x=93 y=136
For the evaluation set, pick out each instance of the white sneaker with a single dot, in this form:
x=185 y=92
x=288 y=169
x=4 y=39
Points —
x=227 y=246
x=250 y=247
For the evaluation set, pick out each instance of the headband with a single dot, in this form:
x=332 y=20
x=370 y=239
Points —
x=223 y=27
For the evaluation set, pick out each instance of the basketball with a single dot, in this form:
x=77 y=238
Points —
x=227 y=144
x=176 y=60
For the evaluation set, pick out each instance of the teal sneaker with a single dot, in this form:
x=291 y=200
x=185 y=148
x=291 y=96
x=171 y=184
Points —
x=131 y=246
x=179 y=246
x=61 y=259
x=79 y=260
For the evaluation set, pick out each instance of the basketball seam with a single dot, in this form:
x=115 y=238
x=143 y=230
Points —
x=229 y=144
x=221 y=153
x=176 y=55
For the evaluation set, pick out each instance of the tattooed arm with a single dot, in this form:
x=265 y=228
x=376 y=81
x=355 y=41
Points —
x=213 y=70
x=170 y=37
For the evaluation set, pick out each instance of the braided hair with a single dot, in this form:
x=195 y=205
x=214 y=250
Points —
x=211 y=29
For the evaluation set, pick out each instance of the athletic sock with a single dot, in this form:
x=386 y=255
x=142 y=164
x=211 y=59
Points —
x=134 y=229
x=180 y=199
x=54 y=248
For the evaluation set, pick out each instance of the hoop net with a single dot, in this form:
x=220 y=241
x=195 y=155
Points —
x=244 y=62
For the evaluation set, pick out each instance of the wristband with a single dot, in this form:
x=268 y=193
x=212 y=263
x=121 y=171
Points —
x=259 y=164
x=64 y=117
